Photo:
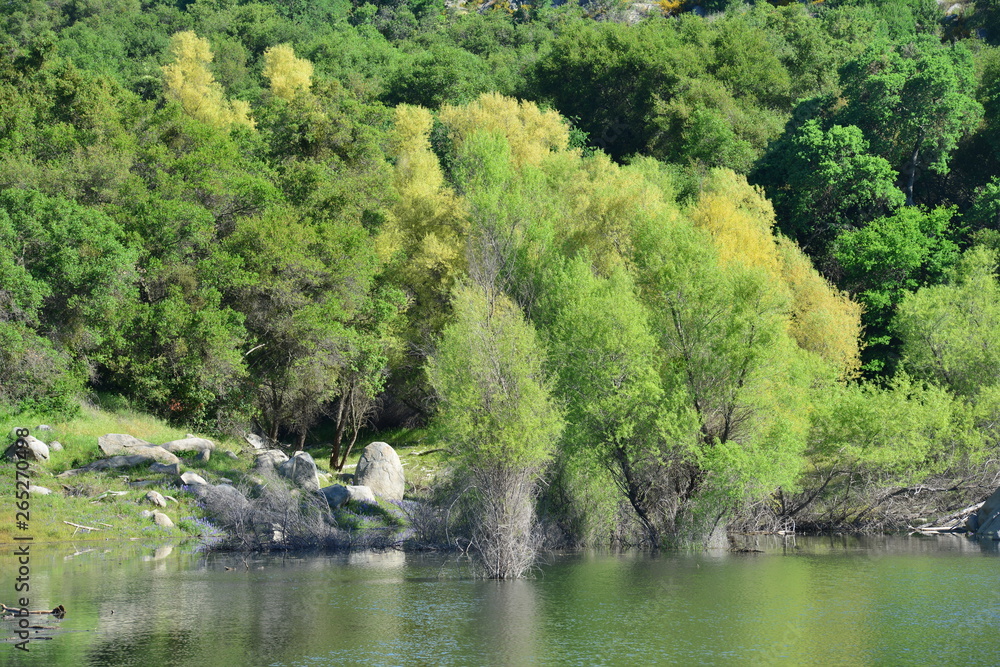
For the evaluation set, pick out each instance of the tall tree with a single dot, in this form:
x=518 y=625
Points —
x=498 y=415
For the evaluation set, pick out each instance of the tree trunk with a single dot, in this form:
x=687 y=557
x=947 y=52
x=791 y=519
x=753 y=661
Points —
x=911 y=170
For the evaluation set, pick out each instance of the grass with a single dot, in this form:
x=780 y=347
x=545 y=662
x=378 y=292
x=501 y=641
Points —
x=106 y=501
x=77 y=499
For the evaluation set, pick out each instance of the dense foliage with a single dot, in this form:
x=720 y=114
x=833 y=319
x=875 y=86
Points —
x=674 y=265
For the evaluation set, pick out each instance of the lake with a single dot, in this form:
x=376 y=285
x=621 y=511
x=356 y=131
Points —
x=802 y=600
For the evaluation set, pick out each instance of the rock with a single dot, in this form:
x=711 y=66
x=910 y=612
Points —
x=155 y=498
x=188 y=445
x=154 y=453
x=221 y=499
x=191 y=479
x=55 y=446
x=301 y=469
x=35 y=451
x=162 y=520
x=114 y=443
x=255 y=441
x=988 y=517
x=204 y=455
x=39 y=490
x=136 y=456
x=338 y=494
x=231 y=455
x=380 y=469
x=166 y=468
x=268 y=460
x=43 y=427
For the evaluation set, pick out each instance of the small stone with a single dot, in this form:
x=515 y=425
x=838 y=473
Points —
x=35 y=451
x=39 y=490
x=162 y=520
x=232 y=455
x=190 y=479
x=204 y=455
x=55 y=446
x=43 y=427
x=154 y=498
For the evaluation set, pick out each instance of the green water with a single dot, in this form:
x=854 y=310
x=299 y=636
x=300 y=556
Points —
x=829 y=601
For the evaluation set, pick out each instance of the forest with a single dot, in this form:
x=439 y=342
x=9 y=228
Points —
x=644 y=270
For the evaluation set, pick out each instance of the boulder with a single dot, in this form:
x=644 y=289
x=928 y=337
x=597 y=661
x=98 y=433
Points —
x=988 y=517
x=166 y=468
x=380 y=469
x=115 y=443
x=153 y=453
x=55 y=446
x=192 y=479
x=338 y=494
x=221 y=500
x=204 y=455
x=136 y=456
x=267 y=461
x=154 y=498
x=301 y=470
x=39 y=490
x=188 y=445
x=35 y=451
x=162 y=520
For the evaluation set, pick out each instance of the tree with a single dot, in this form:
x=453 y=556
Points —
x=619 y=416
x=497 y=414
x=913 y=102
x=950 y=332
x=287 y=74
x=825 y=181
x=189 y=81
x=891 y=257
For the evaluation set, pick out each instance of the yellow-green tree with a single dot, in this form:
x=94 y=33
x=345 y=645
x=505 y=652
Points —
x=189 y=81
x=288 y=75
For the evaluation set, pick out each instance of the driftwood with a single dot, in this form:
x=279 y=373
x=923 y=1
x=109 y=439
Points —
x=78 y=526
x=953 y=523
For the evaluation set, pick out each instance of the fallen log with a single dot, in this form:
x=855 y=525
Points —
x=961 y=514
x=58 y=612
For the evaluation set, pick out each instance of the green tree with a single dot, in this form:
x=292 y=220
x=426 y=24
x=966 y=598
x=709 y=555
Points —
x=951 y=332
x=913 y=102
x=825 y=181
x=497 y=414
x=891 y=257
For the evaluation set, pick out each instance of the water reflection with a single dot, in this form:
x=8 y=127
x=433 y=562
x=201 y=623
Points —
x=831 y=599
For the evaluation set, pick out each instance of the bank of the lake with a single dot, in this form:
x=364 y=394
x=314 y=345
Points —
x=816 y=600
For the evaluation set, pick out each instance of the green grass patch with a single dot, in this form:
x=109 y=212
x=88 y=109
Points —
x=78 y=498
